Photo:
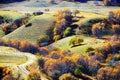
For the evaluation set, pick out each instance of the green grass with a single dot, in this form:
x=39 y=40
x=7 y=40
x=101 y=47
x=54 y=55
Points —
x=39 y=26
x=7 y=56
x=11 y=14
x=88 y=42
x=12 y=59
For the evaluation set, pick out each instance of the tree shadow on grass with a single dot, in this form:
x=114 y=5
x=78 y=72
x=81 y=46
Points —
x=77 y=45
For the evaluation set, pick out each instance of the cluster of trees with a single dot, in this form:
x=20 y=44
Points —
x=59 y=64
x=99 y=27
x=24 y=46
x=75 y=41
x=60 y=28
x=11 y=26
x=111 y=2
x=63 y=20
x=85 y=27
x=8 y=1
x=5 y=74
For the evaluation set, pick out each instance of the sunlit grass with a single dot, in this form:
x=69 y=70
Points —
x=11 y=14
x=88 y=42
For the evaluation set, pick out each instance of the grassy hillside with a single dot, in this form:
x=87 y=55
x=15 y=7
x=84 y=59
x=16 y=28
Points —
x=80 y=49
x=9 y=55
x=39 y=25
x=13 y=14
x=9 y=14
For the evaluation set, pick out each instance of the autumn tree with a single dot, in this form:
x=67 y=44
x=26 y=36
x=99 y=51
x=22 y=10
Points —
x=75 y=41
x=116 y=29
x=34 y=76
x=63 y=18
x=97 y=29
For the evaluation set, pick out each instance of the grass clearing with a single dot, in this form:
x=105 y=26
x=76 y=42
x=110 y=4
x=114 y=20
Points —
x=80 y=49
x=11 y=14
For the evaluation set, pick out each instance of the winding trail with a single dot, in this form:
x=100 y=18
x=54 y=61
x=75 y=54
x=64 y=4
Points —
x=20 y=59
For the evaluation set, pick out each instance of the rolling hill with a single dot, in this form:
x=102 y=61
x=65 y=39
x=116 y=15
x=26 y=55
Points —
x=80 y=49
x=39 y=25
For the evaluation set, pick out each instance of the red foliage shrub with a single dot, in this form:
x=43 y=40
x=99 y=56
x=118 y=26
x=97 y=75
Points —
x=24 y=46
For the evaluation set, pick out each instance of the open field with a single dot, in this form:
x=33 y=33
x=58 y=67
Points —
x=80 y=49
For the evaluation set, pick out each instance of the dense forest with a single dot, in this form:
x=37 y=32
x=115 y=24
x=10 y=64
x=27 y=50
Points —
x=8 y=1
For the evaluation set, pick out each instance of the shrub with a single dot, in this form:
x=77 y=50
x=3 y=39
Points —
x=78 y=70
x=67 y=32
x=6 y=28
x=117 y=57
x=75 y=41
x=89 y=49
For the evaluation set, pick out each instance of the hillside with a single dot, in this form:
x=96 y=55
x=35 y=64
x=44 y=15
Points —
x=9 y=14
x=39 y=25
x=80 y=49
x=16 y=61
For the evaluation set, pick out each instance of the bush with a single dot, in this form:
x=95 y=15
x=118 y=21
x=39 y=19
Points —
x=89 y=49
x=117 y=57
x=75 y=41
x=67 y=32
x=6 y=28
x=78 y=70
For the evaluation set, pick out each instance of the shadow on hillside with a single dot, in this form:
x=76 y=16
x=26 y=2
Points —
x=77 y=45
